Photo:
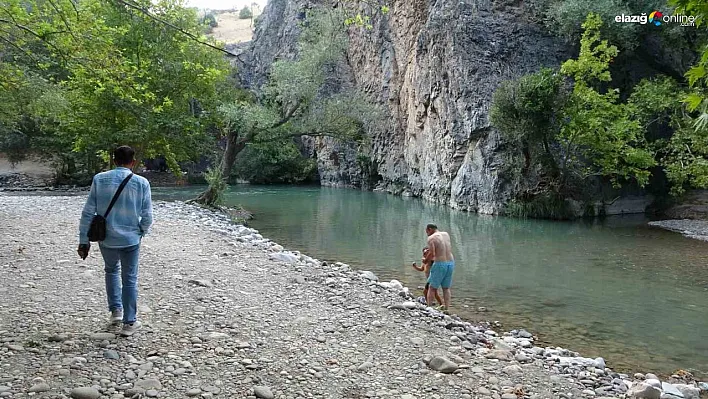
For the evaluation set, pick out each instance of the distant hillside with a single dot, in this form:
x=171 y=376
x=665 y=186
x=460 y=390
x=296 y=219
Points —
x=231 y=29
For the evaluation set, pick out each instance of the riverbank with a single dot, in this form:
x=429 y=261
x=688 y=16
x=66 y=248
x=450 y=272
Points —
x=229 y=313
x=696 y=229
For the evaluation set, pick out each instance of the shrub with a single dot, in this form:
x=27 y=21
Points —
x=274 y=162
x=245 y=13
x=547 y=205
x=210 y=20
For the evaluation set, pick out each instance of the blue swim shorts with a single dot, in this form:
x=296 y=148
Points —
x=441 y=274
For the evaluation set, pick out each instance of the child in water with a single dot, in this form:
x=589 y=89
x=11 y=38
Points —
x=425 y=267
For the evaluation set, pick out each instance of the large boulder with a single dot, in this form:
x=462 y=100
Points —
x=642 y=390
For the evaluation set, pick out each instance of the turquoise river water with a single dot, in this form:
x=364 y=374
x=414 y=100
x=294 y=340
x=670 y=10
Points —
x=633 y=294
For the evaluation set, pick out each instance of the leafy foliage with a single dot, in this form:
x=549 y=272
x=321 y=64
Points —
x=599 y=127
x=274 y=162
x=588 y=131
x=217 y=183
x=303 y=97
x=209 y=20
x=528 y=111
x=687 y=155
x=565 y=18
x=129 y=72
x=547 y=205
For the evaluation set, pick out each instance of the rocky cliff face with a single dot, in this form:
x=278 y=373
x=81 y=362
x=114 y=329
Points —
x=433 y=66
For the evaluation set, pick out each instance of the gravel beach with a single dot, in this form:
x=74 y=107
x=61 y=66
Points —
x=229 y=313
x=690 y=228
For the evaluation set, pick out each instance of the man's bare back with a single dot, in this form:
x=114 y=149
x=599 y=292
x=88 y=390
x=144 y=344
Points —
x=443 y=265
x=441 y=246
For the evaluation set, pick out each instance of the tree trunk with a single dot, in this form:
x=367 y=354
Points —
x=233 y=147
x=527 y=157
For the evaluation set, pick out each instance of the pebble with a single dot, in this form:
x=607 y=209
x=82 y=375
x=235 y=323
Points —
x=263 y=392
x=443 y=365
x=103 y=336
x=365 y=366
x=85 y=393
x=40 y=387
x=149 y=383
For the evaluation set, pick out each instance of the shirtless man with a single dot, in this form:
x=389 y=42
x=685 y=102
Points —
x=443 y=264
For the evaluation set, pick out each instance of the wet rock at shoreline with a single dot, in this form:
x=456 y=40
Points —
x=643 y=390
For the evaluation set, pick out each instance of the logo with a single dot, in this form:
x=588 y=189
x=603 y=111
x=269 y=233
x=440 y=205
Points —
x=655 y=18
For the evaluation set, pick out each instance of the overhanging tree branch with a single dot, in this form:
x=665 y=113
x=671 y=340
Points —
x=288 y=115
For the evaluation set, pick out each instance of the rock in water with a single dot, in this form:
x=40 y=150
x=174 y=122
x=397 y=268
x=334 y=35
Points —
x=84 y=393
x=443 y=365
x=642 y=390
x=263 y=392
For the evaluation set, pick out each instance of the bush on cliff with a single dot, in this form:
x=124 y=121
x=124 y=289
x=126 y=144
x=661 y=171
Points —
x=568 y=136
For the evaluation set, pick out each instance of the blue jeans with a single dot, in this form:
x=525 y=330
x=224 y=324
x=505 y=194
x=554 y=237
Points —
x=125 y=262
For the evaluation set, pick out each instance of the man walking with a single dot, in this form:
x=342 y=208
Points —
x=440 y=252
x=128 y=221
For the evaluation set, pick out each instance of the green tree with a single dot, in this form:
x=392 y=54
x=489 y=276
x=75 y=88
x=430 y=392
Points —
x=209 y=20
x=299 y=99
x=687 y=154
x=245 y=13
x=134 y=72
x=528 y=112
x=274 y=162
x=586 y=131
x=600 y=128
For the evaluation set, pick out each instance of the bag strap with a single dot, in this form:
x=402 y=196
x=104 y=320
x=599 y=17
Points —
x=115 y=196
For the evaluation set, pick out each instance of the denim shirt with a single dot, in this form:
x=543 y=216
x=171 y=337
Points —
x=131 y=216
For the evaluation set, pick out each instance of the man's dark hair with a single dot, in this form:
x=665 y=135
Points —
x=123 y=155
x=431 y=226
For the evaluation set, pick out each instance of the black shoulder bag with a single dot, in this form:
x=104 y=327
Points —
x=97 y=230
